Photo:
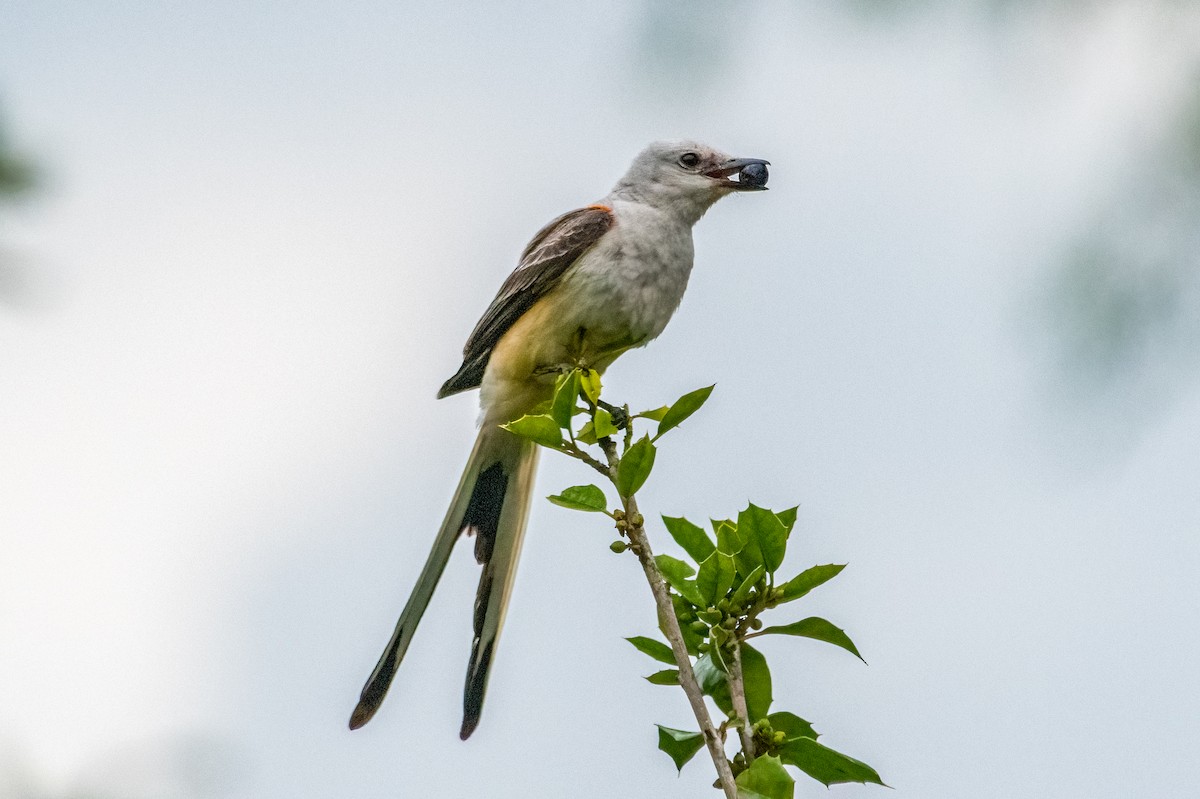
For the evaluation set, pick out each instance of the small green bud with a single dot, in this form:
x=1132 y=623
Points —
x=699 y=627
x=729 y=623
x=756 y=624
x=779 y=737
x=618 y=546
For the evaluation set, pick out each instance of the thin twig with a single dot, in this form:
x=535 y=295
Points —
x=579 y=454
x=737 y=694
x=670 y=627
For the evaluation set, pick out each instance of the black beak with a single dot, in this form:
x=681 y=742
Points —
x=751 y=174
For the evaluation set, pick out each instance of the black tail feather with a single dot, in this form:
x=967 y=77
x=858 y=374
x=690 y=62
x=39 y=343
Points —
x=482 y=518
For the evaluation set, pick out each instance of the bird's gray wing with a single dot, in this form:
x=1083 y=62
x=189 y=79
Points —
x=546 y=258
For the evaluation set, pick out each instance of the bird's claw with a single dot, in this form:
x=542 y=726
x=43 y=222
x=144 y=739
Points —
x=620 y=417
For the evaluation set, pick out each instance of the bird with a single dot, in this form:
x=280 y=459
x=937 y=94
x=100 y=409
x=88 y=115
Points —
x=592 y=284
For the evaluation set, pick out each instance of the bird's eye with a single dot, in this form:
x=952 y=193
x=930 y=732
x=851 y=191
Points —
x=689 y=160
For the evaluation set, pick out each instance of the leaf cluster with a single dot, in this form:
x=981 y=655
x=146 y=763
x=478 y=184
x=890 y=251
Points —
x=719 y=602
x=729 y=580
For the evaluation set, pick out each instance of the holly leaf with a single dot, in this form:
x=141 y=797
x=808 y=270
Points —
x=664 y=677
x=761 y=527
x=766 y=779
x=826 y=765
x=602 y=424
x=541 y=429
x=635 y=467
x=713 y=683
x=692 y=538
x=791 y=725
x=683 y=407
x=676 y=573
x=587 y=433
x=743 y=591
x=566 y=393
x=680 y=745
x=586 y=498
x=819 y=630
x=757 y=679
x=715 y=577
x=727 y=540
x=655 y=649
x=589 y=381
x=788 y=518
x=809 y=579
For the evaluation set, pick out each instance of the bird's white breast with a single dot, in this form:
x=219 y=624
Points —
x=628 y=286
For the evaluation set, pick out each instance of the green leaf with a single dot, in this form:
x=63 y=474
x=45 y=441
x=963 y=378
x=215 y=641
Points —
x=655 y=649
x=761 y=527
x=745 y=550
x=809 y=579
x=541 y=429
x=602 y=424
x=655 y=415
x=743 y=591
x=757 y=679
x=587 y=433
x=680 y=745
x=727 y=538
x=676 y=573
x=766 y=779
x=693 y=539
x=788 y=518
x=716 y=576
x=673 y=568
x=664 y=677
x=817 y=629
x=791 y=725
x=684 y=407
x=589 y=381
x=586 y=498
x=713 y=682
x=635 y=467
x=826 y=765
x=566 y=394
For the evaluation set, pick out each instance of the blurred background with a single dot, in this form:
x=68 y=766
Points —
x=241 y=246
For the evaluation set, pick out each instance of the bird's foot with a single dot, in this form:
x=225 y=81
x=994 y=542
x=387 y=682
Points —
x=555 y=369
x=620 y=417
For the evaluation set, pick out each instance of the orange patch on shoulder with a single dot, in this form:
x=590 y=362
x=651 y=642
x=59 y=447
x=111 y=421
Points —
x=604 y=208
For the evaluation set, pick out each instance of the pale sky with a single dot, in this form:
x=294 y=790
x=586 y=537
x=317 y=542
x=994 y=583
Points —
x=262 y=235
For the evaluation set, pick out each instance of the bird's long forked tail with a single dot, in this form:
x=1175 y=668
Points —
x=492 y=500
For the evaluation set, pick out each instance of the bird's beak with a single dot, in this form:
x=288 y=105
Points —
x=726 y=170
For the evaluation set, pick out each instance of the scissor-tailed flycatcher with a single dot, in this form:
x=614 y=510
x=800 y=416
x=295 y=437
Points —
x=592 y=284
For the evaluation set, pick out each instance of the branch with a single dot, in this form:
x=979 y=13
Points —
x=737 y=695
x=670 y=624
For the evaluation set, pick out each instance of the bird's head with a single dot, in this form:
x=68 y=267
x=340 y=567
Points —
x=689 y=175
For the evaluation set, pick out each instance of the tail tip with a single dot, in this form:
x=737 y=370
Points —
x=361 y=715
x=468 y=726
